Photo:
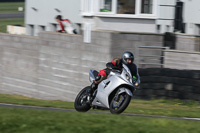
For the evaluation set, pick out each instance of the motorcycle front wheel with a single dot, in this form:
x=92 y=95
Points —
x=119 y=103
x=81 y=102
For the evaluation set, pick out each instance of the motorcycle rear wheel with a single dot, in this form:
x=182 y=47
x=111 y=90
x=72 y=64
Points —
x=81 y=102
x=117 y=106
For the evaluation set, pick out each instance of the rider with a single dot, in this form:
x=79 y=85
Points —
x=127 y=58
x=61 y=21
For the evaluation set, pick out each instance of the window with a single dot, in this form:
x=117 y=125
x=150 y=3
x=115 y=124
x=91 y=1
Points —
x=146 y=6
x=126 y=7
x=105 y=5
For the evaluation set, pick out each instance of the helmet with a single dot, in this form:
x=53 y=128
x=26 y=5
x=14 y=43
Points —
x=127 y=55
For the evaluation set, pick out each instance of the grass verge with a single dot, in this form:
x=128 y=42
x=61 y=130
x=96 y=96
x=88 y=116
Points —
x=5 y=22
x=164 y=107
x=11 y=7
x=174 y=108
x=17 y=120
x=20 y=120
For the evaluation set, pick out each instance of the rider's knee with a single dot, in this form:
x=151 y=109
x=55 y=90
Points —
x=99 y=78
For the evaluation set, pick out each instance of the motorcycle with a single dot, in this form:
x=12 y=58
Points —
x=113 y=93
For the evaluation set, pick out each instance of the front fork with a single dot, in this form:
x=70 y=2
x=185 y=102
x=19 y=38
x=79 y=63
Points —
x=91 y=97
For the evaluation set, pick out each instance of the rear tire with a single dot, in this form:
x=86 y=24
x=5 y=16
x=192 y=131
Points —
x=81 y=103
x=117 y=106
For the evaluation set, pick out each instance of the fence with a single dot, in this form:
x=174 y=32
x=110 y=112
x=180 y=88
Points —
x=197 y=44
x=177 y=59
x=11 y=29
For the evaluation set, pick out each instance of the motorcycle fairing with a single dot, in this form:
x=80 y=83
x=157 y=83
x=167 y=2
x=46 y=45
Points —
x=105 y=88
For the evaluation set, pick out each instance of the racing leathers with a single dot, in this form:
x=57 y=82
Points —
x=115 y=64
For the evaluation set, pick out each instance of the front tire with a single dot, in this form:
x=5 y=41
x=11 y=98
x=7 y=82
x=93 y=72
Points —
x=118 y=105
x=81 y=102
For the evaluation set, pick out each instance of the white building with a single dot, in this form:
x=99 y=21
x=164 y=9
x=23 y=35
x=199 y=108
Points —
x=153 y=16
x=192 y=16
x=40 y=14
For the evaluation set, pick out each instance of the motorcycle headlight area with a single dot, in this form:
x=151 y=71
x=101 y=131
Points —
x=127 y=77
x=136 y=84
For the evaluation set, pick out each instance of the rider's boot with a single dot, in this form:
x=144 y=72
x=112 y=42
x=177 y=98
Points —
x=91 y=91
x=94 y=84
x=93 y=87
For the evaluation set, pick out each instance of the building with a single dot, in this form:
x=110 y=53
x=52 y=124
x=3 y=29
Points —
x=191 y=16
x=40 y=14
x=154 y=16
x=149 y=16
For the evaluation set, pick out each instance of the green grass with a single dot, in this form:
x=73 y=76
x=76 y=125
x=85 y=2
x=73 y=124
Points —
x=176 y=108
x=5 y=22
x=20 y=120
x=11 y=7
x=22 y=100
x=164 y=107
x=16 y=120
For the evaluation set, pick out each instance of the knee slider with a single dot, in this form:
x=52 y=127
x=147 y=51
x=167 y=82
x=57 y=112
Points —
x=99 y=79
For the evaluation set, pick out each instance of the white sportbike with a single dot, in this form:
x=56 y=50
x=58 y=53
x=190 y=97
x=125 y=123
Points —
x=113 y=93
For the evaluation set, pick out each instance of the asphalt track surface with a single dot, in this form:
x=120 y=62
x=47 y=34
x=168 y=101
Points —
x=11 y=15
x=72 y=110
